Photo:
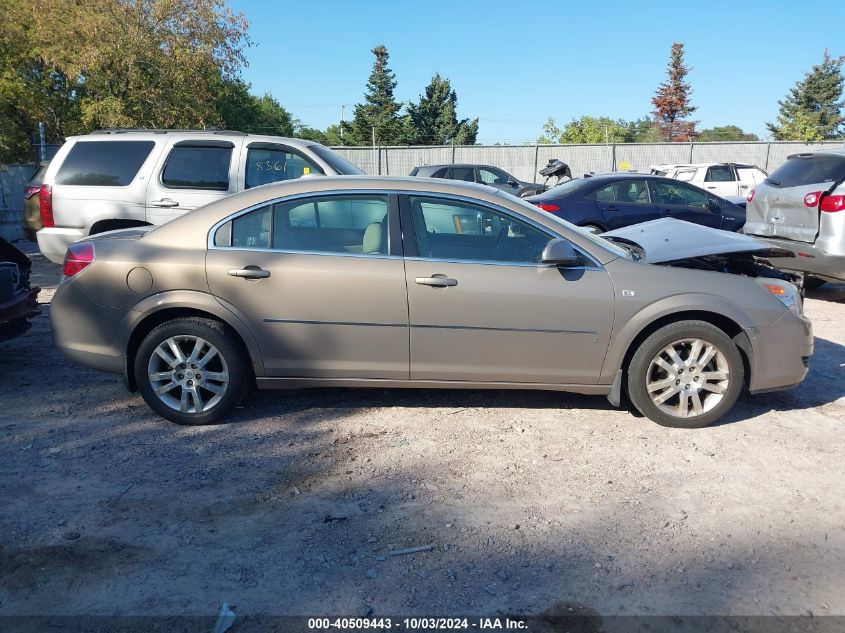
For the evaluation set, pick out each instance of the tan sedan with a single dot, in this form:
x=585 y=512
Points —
x=409 y=282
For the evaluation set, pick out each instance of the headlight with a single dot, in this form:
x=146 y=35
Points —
x=787 y=293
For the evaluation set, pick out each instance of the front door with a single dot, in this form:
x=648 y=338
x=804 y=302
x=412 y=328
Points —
x=190 y=174
x=483 y=308
x=315 y=281
x=684 y=202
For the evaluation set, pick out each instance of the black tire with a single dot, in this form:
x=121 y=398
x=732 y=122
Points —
x=811 y=283
x=640 y=370
x=230 y=359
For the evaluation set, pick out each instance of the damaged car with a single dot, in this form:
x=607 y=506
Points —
x=18 y=299
x=423 y=283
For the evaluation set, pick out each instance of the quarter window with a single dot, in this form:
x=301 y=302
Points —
x=490 y=177
x=273 y=164
x=719 y=173
x=456 y=230
x=198 y=167
x=103 y=163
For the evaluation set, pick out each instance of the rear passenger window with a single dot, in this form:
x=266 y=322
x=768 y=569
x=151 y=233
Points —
x=349 y=224
x=198 y=167
x=272 y=164
x=103 y=163
x=808 y=170
x=719 y=173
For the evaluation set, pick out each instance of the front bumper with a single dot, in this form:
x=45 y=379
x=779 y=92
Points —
x=53 y=242
x=86 y=332
x=781 y=353
x=809 y=258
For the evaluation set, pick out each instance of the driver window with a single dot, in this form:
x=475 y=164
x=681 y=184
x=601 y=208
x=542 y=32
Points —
x=677 y=193
x=448 y=229
x=489 y=177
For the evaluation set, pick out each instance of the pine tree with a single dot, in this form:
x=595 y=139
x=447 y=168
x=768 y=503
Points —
x=672 y=100
x=812 y=111
x=380 y=109
x=434 y=120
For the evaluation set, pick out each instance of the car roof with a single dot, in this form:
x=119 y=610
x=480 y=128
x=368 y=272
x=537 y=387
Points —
x=833 y=151
x=121 y=134
x=697 y=165
x=457 y=165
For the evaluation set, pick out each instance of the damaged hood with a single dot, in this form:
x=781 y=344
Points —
x=669 y=240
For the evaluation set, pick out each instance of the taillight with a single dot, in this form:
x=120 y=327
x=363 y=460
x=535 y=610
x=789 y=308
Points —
x=547 y=207
x=78 y=256
x=30 y=191
x=750 y=195
x=812 y=199
x=832 y=204
x=45 y=205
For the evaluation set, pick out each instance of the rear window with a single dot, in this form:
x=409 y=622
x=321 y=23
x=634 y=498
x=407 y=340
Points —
x=808 y=170
x=103 y=163
x=197 y=167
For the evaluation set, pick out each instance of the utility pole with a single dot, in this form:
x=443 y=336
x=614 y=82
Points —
x=376 y=157
x=342 y=108
x=42 y=142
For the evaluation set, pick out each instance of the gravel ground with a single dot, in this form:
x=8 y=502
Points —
x=534 y=501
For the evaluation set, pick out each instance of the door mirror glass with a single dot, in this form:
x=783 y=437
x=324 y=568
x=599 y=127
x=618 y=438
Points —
x=559 y=252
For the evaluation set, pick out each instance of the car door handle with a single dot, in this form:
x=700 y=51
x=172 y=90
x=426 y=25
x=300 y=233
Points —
x=164 y=202
x=249 y=272
x=711 y=186
x=437 y=281
x=611 y=207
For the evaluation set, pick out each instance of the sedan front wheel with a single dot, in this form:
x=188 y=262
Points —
x=191 y=370
x=686 y=374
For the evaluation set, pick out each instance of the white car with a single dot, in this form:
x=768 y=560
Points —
x=723 y=179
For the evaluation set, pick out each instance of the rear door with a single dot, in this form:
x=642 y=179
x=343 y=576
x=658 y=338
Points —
x=783 y=206
x=264 y=163
x=624 y=202
x=721 y=180
x=190 y=174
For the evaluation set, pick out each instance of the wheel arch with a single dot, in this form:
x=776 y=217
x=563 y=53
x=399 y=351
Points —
x=165 y=309
x=736 y=326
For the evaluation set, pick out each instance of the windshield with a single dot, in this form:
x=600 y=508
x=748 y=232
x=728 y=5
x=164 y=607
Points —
x=336 y=162
x=595 y=239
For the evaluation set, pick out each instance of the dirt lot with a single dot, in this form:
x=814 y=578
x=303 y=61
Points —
x=533 y=501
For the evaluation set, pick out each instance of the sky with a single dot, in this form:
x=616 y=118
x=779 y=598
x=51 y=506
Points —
x=514 y=64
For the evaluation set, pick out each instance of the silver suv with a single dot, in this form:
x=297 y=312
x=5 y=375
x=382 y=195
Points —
x=117 y=179
x=801 y=207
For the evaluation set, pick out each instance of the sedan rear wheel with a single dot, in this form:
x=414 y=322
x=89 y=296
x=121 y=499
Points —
x=191 y=371
x=686 y=374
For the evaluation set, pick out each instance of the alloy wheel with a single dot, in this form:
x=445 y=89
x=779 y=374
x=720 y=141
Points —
x=688 y=378
x=188 y=374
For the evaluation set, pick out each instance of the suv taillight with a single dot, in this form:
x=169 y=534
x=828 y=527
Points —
x=832 y=204
x=812 y=199
x=750 y=195
x=78 y=256
x=45 y=205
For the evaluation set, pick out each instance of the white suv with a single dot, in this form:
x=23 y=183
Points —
x=116 y=179
x=723 y=179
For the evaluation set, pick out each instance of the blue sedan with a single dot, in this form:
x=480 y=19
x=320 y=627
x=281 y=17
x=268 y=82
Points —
x=611 y=201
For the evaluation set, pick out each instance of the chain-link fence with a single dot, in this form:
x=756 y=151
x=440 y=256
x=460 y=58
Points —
x=523 y=161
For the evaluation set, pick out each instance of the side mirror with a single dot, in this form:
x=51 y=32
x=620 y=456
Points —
x=512 y=182
x=559 y=252
x=713 y=205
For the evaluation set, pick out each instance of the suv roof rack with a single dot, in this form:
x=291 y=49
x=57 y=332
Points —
x=166 y=131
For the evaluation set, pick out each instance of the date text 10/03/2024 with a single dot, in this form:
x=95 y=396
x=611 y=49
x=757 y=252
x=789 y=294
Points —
x=416 y=624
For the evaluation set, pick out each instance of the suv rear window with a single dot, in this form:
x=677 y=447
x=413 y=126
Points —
x=198 y=167
x=808 y=170
x=103 y=163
